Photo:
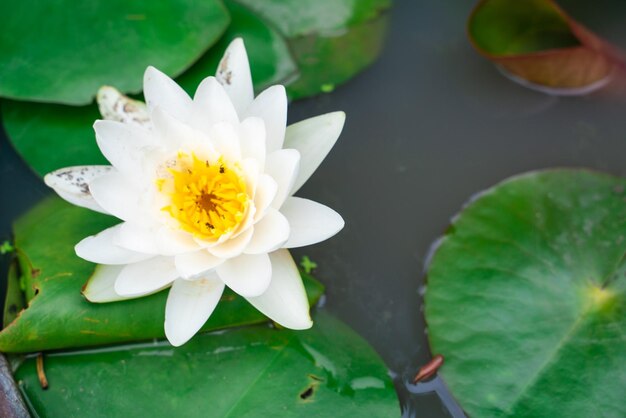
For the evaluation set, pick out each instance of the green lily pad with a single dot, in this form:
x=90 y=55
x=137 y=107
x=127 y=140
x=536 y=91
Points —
x=325 y=62
x=51 y=276
x=14 y=301
x=268 y=52
x=288 y=42
x=331 y=40
x=63 y=51
x=49 y=137
x=328 y=371
x=526 y=298
x=294 y=18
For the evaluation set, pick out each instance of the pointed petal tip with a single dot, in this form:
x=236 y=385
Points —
x=237 y=43
x=336 y=119
x=278 y=89
x=298 y=324
x=174 y=338
x=150 y=70
x=48 y=179
x=340 y=116
x=103 y=91
x=189 y=305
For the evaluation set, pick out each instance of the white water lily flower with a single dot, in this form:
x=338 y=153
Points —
x=204 y=188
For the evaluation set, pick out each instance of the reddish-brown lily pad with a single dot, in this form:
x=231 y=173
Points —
x=538 y=44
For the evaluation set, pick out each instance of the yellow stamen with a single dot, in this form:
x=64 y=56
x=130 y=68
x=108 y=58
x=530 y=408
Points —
x=207 y=199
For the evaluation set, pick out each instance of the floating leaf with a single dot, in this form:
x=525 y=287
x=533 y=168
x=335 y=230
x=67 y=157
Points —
x=52 y=276
x=526 y=298
x=317 y=46
x=328 y=371
x=62 y=51
x=537 y=43
x=270 y=59
x=49 y=137
x=331 y=40
x=14 y=301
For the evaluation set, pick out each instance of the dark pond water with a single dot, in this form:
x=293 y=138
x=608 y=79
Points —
x=430 y=124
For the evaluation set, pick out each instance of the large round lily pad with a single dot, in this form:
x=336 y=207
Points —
x=62 y=51
x=526 y=298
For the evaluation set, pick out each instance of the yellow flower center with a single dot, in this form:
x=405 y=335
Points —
x=207 y=199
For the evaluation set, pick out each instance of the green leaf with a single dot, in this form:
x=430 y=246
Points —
x=331 y=40
x=328 y=61
x=328 y=371
x=62 y=51
x=14 y=301
x=541 y=46
x=52 y=276
x=49 y=137
x=311 y=47
x=294 y=18
x=503 y=27
x=268 y=52
x=526 y=298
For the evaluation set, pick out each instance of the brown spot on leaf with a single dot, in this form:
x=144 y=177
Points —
x=307 y=393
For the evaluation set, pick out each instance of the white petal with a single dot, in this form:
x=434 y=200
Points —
x=285 y=300
x=71 y=183
x=163 y=92
x=173 y=133
x=271 y=106
x=100 y=287
x=172 y=242
x=189 y=305
x=234 y=246
x=252 y=173
x=270 y=233
x=123 y=145
x=248 y=275
x=252 y=140
x=137 y=238
x=192 y=264
x=117 y=195
x=160 y=240
x=114 y=105
x=313 y=138
x=212 y=105
x=310 y=222
x=246 y=223
x=233 y=72
x=101 y=249
x=266 y=190
x=283 y=166
x=146 y=277
x=224 y=138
